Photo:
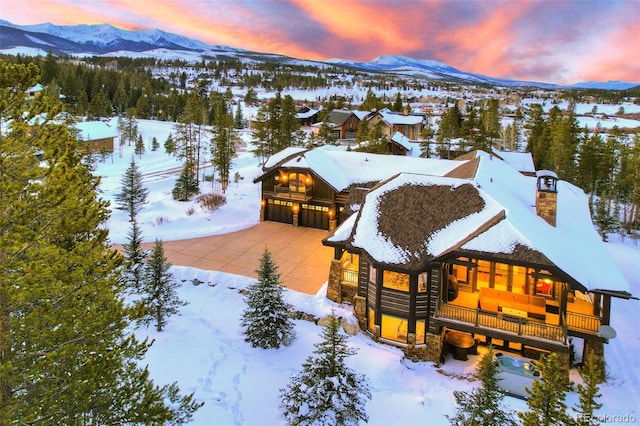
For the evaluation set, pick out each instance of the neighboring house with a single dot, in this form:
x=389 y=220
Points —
x=408 y=124
x=307 y=116
x=99 y=136
x=344 y=123
x=399 y=144
x=310 y=187
x=477 y=248
x=34 y=92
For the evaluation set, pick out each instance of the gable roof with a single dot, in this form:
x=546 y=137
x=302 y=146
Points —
x=412 y=219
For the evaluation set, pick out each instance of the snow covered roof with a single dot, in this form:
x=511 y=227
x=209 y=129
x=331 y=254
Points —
x=402 y=140
x=521 y=161
x=412 y=219
x=307 y=114
x=400 y=118
x=92 y=130
x=340 y=169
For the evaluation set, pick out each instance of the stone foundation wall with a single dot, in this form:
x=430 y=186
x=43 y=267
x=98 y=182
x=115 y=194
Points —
x=360 y=311
x=334 y=286
x=431 y=351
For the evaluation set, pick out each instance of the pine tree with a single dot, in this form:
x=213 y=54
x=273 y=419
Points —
x=66 y=355
x=605 y=222
x=326 y=391
x=266 y=320
x=139 y=147
x=588 y=392
x=154 y=144
x=170 y=145
x=547 y=396
x=186 y=185
x=135 y=256
x=159 y=299
x=483 y=406
x=223 y=144
x=128 y=127
x=132 y=195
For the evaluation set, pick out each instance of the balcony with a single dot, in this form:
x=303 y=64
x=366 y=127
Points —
x=284 y=191
x=485 y=322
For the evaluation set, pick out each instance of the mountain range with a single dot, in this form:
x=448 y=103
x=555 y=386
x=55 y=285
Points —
x=107 y=40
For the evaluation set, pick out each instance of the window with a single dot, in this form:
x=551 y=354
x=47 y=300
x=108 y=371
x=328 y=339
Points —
x=371 y=320
x=484 y=273
x=298 y=182
x=394 y=328
x=420 y=329
x=373 y=274
x=423 y=282
x=501 y=276
x=519 y=279
x=544 y=284
x=396 y=281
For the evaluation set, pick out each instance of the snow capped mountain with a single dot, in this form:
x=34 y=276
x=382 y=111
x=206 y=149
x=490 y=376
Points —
x=607 y=85
x=107 y=40
x=94 y=39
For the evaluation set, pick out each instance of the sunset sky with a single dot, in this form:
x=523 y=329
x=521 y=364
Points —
x=559 y=41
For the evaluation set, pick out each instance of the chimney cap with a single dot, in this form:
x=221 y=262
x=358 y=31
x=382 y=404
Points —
x=546 y=173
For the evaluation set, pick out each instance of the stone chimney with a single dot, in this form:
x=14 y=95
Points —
x=547 y=195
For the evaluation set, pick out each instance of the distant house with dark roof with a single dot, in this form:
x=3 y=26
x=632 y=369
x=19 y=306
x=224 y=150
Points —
x=307 y=116
x=478 y=250
x=344 y=123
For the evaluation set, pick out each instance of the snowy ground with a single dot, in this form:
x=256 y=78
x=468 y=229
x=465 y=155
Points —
x=204 y=351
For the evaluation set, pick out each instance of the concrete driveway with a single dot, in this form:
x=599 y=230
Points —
x=303 y=262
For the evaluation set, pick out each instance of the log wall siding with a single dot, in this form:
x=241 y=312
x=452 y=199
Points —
x=395 y=302
x=363 y=276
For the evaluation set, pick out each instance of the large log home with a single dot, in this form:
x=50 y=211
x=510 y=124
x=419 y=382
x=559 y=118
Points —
x=509 y=259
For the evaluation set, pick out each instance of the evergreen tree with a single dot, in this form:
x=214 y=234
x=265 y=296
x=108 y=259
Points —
x=154 y=144
x=128 y=128
x=223 y=144
x=603 y=219
x=426 y=136
x=170 y=145
x=449 y=129
x=132 y=195
x=483 y=406
x=66 y=355
x=588 y=392
x=326 y=391
x=266 y=320
x=547 y=396
x=186 y=185
x=363 y=131
x=159 y=299
x=397 y=104
x=377 y=141
x=139 y=147
x=238 y=119
x=135 y=256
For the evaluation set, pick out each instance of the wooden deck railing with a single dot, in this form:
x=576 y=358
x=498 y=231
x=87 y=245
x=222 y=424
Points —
x=500 y=321
x=583 y=323
x=350 y=276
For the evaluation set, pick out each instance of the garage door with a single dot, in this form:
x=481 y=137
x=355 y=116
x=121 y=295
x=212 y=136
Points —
x=314 y=216
x=279 y=211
